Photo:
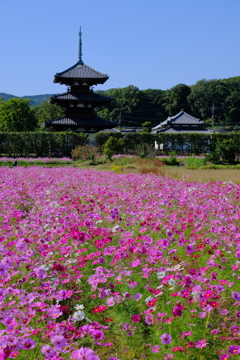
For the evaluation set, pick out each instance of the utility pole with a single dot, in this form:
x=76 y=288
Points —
x=120 y=118
x=213 y=119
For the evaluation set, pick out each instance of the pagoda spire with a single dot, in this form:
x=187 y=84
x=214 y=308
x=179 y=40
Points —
x=80 y=47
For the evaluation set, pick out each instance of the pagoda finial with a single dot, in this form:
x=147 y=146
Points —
x=80 y=47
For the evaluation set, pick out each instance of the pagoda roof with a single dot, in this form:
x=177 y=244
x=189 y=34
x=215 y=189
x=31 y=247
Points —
x=182 y=118
x=90 y=96
x=81 y=71
x=86 y=122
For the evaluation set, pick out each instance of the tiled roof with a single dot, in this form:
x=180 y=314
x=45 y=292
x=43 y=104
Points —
x=81 y=71
x=96 y=122
x=182 y=118
x=182 y=130
x=91 y=96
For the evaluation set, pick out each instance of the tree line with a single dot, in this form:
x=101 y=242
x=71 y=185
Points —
x=133 y=107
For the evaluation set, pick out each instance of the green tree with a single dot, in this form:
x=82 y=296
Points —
x=112 y=146
x=202 y=96
x=176 y=99
x=125 y=101
x=17 y=115
x=47 y=111
x=233 y=107
x=147 y=127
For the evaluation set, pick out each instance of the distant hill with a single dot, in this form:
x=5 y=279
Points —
x=35 y=99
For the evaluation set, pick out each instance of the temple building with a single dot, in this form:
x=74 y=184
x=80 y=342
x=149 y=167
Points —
x=181 y=123
x=80 y=101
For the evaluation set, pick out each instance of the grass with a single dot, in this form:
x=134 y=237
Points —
x=156 y=166
x=190 y=168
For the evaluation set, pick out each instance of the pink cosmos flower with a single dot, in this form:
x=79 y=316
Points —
x=136 y=318
x=224 y=357
x=189 y=248
x=155 y=348
x=168 y=356
x=234 y=349
x=84 y=354
x=200 y=344
x=137 y=296
x=98 y=334
x=27 y=344
x=208 y=294
x=166 y=338
x=48 y=351
x=135 y=263
x=58 y=341
x=110 y=301
x=177 y=310
x=236 y=295
x=224 y=312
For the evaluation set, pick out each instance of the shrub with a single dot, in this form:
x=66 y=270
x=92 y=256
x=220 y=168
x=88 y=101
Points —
x=112 y=146
x=225 y=150
x=152 y=170
x=117 y=169
x=172 y=160
x=86 y=152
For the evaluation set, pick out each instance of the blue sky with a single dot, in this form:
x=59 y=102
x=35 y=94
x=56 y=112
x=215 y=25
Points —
x=150 y=44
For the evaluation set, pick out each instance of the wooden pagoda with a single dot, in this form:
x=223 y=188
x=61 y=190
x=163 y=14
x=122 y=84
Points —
x=80 y=101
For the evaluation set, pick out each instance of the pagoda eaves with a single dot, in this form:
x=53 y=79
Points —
x=80 y=72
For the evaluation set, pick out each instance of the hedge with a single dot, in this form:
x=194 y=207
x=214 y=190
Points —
x=15 y=144
x=182 y=144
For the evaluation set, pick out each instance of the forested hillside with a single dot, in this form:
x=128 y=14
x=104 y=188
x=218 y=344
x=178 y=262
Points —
x=34 y=99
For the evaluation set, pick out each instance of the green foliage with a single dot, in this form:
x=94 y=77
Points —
x=47 y=111
x=16 y=115
x=101 y=137
x=193 y=162
x=176 y=99
x=134 y=107
x=183 y=143
x=172 y=160
x=54 y=144
x=112 y=146
x=202 y=95
x=141 y=144
x=225 y=150
x=147 y=127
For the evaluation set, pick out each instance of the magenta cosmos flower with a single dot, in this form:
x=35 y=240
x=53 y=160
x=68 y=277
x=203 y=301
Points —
x=58 y=341
x=84 y=354
x=236 y=295
x=234 y=349
x=27 y=344
x=48 y=351
x=166 y=338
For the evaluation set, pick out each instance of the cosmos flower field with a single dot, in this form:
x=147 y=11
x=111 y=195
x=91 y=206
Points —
x=104 y=266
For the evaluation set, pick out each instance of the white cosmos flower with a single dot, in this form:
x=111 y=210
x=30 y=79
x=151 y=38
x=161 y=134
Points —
x=148 y=299
x=79 y=315
x=79 y=307
x=172 y=282
x=161 y=274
